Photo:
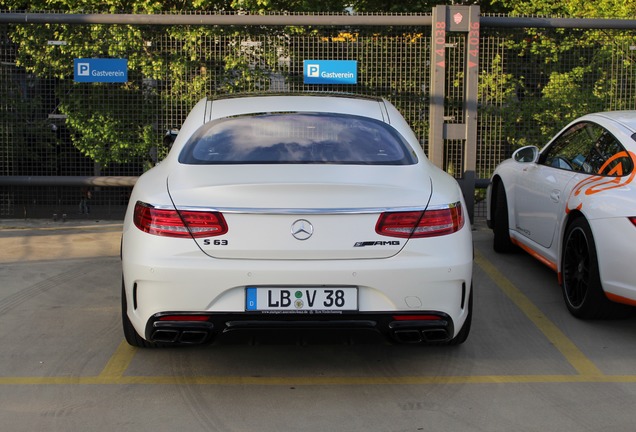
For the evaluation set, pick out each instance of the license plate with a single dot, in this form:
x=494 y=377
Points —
x=301 y=299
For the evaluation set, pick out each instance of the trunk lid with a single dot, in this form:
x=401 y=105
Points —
x=297 y=212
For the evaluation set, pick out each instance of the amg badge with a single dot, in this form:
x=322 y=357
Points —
x=377 y=243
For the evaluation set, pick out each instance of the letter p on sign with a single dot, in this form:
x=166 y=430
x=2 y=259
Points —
x=83 y=69
x=313 y=70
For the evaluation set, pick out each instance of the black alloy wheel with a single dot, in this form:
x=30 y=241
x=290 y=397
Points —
x=501 y=229
x=582 y=286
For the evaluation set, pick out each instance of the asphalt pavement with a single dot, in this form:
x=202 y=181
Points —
x=527 y=365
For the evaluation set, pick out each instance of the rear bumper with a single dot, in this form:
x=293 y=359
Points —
x=163 y=275
x=615 y=238
x=177 y=329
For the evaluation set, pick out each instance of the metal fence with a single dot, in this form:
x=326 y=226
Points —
x=98 y=136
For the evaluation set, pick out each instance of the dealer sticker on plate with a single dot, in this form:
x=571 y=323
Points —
x=301 y=299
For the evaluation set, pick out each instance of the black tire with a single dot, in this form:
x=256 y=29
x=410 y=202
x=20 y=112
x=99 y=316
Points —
x=581 y=283
x=131 y=335
x=465 y=330
x=501 y=230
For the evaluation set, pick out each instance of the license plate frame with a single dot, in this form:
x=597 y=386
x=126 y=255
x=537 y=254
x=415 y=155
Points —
x=301 y=299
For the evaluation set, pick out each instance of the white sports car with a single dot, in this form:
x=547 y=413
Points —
x=296 y=211
x=572 y=205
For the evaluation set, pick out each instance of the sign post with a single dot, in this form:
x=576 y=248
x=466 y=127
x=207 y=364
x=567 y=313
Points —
x=448 y=19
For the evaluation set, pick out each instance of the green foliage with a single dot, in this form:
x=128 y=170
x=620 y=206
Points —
x=571 y=8
x=176 y=59
x=560 y=74
x=96 y=129
x=396 y=6
x=102 y=130
x=547 y=76
x=99 y=129
x=261 y=6
x=26 y=131
x=566 y=96
x=498 y=99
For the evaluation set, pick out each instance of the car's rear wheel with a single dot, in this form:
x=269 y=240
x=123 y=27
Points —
x=131 y=335
x=501 y=229
x=582 y=287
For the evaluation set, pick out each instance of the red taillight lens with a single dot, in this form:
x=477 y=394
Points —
x=414 y=224
x=633 y=220
x=416 y=317
x=170 y=223
x=184 y=318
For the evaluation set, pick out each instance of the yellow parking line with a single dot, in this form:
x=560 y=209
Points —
x=587 y=372
x=318 y=381
x=573 y=355
x=404 y=380
x=119 y=361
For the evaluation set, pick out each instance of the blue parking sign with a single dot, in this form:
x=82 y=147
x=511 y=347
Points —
x=100 y=70
x=330 y=72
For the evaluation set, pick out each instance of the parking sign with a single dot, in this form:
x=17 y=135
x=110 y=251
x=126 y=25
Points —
x=101 y=70
x=330 y=71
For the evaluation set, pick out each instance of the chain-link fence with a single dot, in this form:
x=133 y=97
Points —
x=531 y=82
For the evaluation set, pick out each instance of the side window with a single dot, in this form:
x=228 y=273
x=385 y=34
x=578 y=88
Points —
x=608 y=157
x=571 y=148
x=588 y=148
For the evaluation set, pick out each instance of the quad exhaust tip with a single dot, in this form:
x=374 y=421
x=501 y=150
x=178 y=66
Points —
x=414 y=336
x=185 y=337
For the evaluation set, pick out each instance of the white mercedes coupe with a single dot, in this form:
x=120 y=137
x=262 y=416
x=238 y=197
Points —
x=313 y=211
x=572 y=205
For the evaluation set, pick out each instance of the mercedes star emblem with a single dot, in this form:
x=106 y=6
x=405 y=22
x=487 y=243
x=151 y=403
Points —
x=302 y=229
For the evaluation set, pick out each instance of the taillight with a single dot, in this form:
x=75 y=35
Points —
x=418 y=224
x=633 y=219
x=416 y=317
x=184 y=318
x=170 y=223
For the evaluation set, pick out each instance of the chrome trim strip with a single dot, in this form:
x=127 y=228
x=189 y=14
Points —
x=304 y=211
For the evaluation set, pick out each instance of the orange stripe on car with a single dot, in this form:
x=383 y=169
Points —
x=536 y=255
x=596 y=183
x=600 y=183
x=620 y=299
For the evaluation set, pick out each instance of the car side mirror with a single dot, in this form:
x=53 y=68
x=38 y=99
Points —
x=526 y=154
x=169 y=137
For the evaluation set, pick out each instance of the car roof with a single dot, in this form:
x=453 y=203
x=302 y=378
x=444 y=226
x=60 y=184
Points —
x=372 y=107
x=626 y=118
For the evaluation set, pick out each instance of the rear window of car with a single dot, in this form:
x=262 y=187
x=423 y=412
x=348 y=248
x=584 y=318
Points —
x=297 y=138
